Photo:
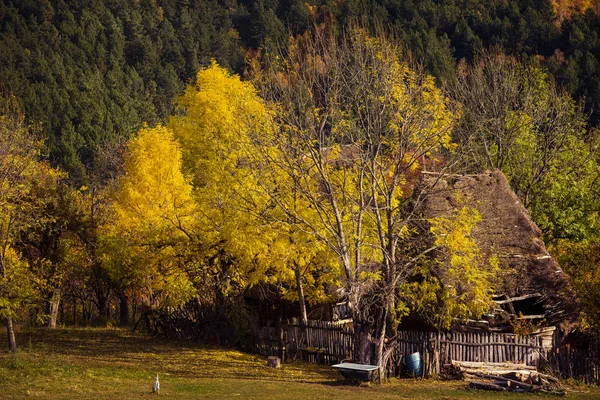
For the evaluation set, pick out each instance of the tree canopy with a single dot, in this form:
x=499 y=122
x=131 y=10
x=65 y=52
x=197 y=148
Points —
x=176 y=156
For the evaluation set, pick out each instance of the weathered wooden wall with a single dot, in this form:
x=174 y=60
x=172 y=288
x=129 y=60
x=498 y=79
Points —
x=580 y=362
x=320 y=342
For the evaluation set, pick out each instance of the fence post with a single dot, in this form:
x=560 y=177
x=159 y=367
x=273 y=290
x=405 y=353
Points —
x=281 y=341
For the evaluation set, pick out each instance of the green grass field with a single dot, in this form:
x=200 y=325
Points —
x=116 y=364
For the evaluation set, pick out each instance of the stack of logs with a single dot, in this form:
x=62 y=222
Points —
x=504 y=377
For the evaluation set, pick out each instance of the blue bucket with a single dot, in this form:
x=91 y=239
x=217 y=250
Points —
x=414 y=365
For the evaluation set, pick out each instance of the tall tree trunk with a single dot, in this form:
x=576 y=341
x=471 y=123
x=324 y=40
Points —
x=84 y=316
x=12 y=341
x=52 y=307
x=133 y=310
x=302 y=301
x=102 y=309
x=74 y=311
x=381 y=343
x=124 y=318
x=362 y=343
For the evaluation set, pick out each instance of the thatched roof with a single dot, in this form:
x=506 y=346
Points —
x=507 y=231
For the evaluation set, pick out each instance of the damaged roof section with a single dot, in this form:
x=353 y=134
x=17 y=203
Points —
x=533 y=284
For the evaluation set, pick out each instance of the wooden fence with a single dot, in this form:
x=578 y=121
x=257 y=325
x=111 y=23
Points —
x=269 y=341
x=320 y=342
x=328 y=343
x=438 y=349
x=580 y=362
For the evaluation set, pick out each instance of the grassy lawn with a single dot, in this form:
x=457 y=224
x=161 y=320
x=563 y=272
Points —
x=116 y=364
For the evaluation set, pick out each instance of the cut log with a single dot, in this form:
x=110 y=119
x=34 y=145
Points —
x=549 y=378
x=274 y=362
x=488 y=365
x=511 y=382
x=496 y=371
x=511 y=377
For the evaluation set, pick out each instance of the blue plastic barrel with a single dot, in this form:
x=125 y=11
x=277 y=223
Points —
x=414 y=365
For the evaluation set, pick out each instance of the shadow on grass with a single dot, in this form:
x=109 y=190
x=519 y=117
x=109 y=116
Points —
x=114 y=349
x=342 y=383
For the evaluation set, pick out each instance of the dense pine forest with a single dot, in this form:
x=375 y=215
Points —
x=162 y=155
x=93 y=71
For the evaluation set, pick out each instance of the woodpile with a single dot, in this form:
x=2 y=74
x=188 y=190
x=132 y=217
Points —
x=502 y=377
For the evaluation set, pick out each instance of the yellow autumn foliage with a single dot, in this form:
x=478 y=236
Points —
x=465 y=276
x=153 y=198
x=354 y=124
x=151 y=214
x=220 y=118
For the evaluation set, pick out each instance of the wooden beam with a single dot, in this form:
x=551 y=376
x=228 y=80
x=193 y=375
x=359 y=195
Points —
x=532 y=316
x=512 y=299
x=472 y=321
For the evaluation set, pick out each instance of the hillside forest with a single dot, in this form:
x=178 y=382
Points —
x=177 y=156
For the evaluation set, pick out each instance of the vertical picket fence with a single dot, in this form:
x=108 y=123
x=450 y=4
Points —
x=320 y=342
x=485 y=347
x=329 y=343
x=437 y=349
x=268 y=342
x=580 y=362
